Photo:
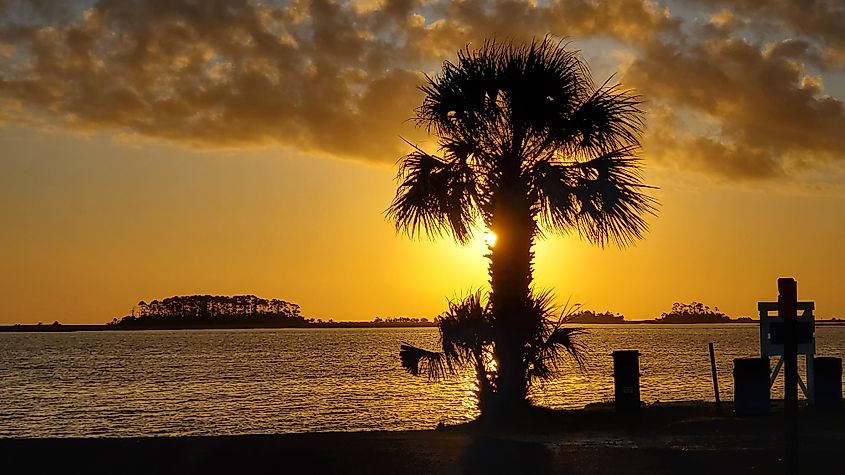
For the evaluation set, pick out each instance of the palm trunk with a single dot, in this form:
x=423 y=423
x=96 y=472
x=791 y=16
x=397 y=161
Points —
x=510 y=279
x=485 y=390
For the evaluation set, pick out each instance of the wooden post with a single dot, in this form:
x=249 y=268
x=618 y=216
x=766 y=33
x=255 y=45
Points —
x=788 y=310
x=715 y=378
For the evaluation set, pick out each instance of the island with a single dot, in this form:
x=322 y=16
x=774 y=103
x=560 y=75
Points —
x=591 y=317
x=248 y=311
x=189 y=312
x=696 y=312
x=681 y=313
x=213 y=311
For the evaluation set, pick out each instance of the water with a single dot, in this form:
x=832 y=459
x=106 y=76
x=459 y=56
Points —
x=217 y=382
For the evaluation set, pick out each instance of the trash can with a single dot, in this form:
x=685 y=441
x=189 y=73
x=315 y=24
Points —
x=751 y=386
x=626 y=379
x=828 y=382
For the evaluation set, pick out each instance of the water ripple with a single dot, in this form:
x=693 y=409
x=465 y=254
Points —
x=224 y=382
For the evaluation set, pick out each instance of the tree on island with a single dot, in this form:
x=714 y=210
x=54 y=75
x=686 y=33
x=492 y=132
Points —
x=695 y=312
x=213 y=310
x=589 y=316
x=528 y=144
x=392 y=320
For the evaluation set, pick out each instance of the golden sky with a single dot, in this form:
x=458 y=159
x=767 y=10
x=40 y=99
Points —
x=158 y=148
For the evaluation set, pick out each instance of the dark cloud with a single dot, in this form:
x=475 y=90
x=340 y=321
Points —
x=215 y=73
x=734 y=108
x=338 y=78
x=823 y=21
x=671 y=142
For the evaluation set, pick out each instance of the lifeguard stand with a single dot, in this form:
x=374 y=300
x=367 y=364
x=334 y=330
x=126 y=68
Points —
x=771 y=340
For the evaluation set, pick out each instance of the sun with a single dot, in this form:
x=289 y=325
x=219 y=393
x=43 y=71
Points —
x=490 y=238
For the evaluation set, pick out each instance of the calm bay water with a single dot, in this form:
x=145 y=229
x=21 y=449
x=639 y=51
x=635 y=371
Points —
x=216 y=382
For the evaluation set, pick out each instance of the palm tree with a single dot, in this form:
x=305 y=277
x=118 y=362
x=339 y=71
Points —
x=529 y=144
x=467 y=341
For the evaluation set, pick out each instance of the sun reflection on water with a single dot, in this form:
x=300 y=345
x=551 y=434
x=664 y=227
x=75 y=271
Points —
x=124 y=384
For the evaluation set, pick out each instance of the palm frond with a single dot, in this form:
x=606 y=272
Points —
x=566 y=339
x=419 y=361
x=552 y=342
x=465 y=329
x=604 y=199
x=435 y=197
x=506 y=99
x=465 y=337
x=459 y=101
x=609 y=119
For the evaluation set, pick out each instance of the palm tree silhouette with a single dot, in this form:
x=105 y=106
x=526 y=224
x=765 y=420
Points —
x=468 y=340
x=529 y=144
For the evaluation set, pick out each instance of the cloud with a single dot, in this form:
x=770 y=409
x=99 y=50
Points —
x=735 y=109
x=821 y=20
x=319 y=76
x=214 y=73
x=341 y=78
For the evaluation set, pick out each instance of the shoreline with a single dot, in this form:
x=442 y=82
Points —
x=660 y=439
x=62 y=328
x=99 y=328
x=413 y=452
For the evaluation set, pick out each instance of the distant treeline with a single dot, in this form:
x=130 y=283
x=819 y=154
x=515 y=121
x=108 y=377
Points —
x=249 y=311
x=213 y=310
x=695 y=312
x=400 y=320
x=588 y=316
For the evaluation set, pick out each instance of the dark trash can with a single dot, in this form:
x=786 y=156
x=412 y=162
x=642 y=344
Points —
x=751 y=386
x=626 y=379
x=828 y=382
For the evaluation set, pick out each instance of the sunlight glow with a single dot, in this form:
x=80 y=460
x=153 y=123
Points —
x=490 y=363
x=490 y=238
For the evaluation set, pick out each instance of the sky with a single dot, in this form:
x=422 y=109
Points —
x=159 y=148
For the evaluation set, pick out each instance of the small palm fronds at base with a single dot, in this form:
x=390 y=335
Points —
x=419 y=361
x=465 y=329
x=552 y=341
x=466 y=337
x=566 y=340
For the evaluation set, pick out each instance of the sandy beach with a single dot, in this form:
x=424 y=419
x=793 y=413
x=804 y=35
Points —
x=676 y=441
